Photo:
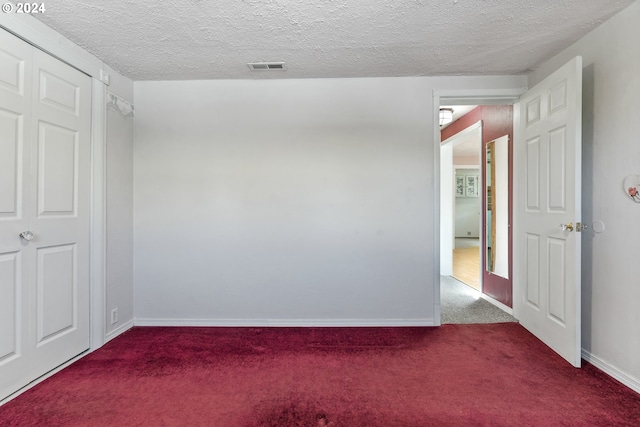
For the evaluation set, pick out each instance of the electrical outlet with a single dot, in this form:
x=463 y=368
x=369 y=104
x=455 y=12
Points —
x=114 y=316
x=468 y=233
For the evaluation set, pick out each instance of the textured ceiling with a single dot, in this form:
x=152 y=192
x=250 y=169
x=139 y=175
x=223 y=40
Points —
x=200 y=39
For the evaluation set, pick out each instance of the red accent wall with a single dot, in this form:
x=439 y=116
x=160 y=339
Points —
x=462 y=123
x=497 y=121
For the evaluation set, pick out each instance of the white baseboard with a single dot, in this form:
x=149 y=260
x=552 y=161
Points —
x=497 y=303
x=119 y=330
x=612 y=371
x=284 y=322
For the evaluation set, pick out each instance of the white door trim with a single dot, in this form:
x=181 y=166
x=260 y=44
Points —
x=48 y=40
x=97 y=242
x=44 y=38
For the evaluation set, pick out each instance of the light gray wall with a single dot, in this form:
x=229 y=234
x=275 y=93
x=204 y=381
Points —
x=119 y=205
x=287 y=201
x=301 y=201
x=611 y=151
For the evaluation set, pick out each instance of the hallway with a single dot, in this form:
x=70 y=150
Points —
x=462 y=304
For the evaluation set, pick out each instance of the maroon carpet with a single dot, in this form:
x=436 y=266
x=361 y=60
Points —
x=455 y=375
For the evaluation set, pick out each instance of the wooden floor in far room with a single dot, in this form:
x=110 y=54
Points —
x=466 y=262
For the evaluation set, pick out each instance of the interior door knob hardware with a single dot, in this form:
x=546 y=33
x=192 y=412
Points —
x=27 y=235
x=565 y=227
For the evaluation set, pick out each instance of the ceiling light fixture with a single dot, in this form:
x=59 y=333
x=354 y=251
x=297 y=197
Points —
x=446 y=116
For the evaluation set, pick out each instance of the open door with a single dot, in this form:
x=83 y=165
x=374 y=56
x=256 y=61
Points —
x=547 y=211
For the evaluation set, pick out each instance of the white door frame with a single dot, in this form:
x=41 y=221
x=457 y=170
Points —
x=456 y=97
x=44 y=38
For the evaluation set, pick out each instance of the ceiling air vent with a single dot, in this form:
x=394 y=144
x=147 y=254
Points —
x=266 y=66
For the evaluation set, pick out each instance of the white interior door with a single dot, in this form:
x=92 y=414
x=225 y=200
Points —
x=45 y=125
x=60 y=210
x=547 y=175
x=15 y=134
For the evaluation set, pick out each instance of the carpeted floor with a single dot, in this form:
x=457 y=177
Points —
x=454 y=375
x=462 y=304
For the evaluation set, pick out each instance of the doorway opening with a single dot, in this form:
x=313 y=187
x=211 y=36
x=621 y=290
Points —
x=548 y=187
x=476 y=180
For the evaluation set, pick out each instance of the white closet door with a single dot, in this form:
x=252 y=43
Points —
x=60 y=210
x=15 y=134
x=51 y=277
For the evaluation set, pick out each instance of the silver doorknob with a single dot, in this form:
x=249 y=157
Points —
x=27 y=235
x=565 y=227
